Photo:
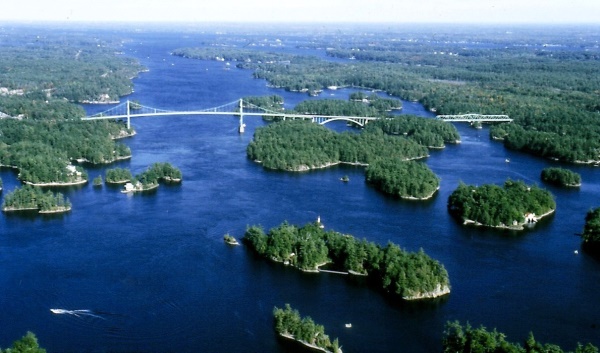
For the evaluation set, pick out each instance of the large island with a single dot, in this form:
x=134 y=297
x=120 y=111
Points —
x=302 y=146
x=409 y=275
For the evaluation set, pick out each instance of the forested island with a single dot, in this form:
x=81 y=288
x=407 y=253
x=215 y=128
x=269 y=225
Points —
x=289 y=324
x=466 y=339
x=301 y=146
x=591 y=230
x=510 y=206
x=118 y=175
x=34 y=198
x=41 y=131
x=561 y=177
x=150 y=178
x=409 y=180
x=554 y=111
x=408 y=275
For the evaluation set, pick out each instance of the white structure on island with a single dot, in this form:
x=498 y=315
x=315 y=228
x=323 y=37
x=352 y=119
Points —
x=530 y=218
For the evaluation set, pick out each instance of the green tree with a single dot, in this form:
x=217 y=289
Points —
x=27 y=344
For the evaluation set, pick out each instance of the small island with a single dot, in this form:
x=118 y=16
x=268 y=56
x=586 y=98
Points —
x=591 y=230
x=97 y=182
x=230 y=240
x=407 y=275
x=510 y=207
x=34 y=198
x=561 y=177
x=149 y=179
x=408 y=180
x=118 y=176
x=289 y=324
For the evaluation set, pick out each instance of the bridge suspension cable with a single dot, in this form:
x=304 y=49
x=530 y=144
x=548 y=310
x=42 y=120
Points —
x=239 y=108
x=475 y=118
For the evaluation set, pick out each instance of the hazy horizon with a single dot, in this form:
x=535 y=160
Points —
x=306 y=11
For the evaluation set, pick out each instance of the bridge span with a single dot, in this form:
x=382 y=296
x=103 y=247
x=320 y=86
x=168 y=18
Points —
x=240 y=108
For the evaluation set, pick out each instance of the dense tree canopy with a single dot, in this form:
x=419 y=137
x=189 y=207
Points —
x=42 y=150
x=402 y=178
x=34 y=198
x=289 y=323
x=495 y=206
x=299 y=145
x=560 y=177
x=554 y=108
x=591 y=231
x=27 y=344
x=118 y=175
x=402 y=273
x=39 y=82
x=290 y=145
x=79 y=70
x=459 y=339
x=431 y=133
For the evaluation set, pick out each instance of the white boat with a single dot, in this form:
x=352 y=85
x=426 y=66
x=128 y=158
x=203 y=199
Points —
x=348 y=325
x=59 y=311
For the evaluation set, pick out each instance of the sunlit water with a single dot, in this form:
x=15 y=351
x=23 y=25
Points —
x=156 y=275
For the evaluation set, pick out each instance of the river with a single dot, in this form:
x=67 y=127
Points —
x=155 y=274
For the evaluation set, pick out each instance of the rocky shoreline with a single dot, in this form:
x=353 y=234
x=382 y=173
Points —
x=57 y=209
x=305 y=168
x=519 y=226
x=437 y=292
x=312 y=346
x=57 y=183
x=420 y=198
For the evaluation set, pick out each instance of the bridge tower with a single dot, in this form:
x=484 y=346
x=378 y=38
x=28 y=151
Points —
x=128 y=116
x=242 y=125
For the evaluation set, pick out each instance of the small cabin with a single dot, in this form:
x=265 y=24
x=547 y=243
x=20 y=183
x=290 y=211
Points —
x=530 y=218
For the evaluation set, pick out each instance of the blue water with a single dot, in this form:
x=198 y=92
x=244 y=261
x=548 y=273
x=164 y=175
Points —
x=154 y=270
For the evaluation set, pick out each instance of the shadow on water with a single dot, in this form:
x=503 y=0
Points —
x=415 y=306
x=29 y=215
x=593 y=250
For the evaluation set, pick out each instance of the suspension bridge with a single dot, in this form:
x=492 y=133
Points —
x=241 y=108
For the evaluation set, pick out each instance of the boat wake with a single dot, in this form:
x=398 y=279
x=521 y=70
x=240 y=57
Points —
x=78 y=313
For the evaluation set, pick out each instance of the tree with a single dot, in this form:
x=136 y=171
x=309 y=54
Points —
x=591 y=230
x=27 y=344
